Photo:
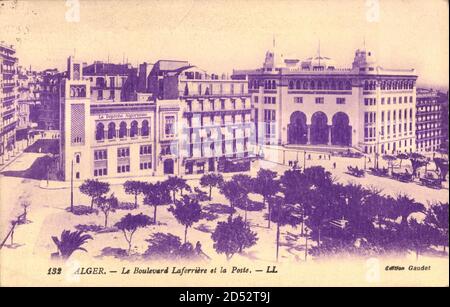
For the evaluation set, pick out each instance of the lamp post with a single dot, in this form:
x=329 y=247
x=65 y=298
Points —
x=304 y=160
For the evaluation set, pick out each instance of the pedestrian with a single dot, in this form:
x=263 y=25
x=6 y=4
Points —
x=329 y=157
x=334 y=165
x=309 y=156
x=290 y=162
x=320 y=157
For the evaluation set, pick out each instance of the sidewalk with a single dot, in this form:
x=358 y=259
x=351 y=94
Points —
x=62 y=185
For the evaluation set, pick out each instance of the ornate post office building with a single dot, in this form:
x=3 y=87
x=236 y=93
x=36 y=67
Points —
x=183 y=121
x=312 y=103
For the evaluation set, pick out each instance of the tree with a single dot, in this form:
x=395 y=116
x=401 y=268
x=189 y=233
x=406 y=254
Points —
x=94 y=189
x=442 y=166
x=232 y=191
x=130 y=223
x=167 y=246
x=69 y=242
x=232 y=236
x=156 y=195
x=211 y=180
x=265 y=184
x=404 y=206
x=282 y=214
x=417 y=161
x=437 y=217
x=175 y=184
x=418 y=236
x=401 y=157
x=187 y=212
x=318 y=176
x=390 y=161
x=133 y=187
x=322 y=209
x=107 y=205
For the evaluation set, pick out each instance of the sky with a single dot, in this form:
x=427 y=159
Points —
x=220 y=36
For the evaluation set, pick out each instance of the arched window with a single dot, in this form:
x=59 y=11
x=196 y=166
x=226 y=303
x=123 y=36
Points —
x=123 y=130
x=298 y=85
x=305 y=85
x=145 y=131
x=319 y=85
x=312 y=85
x=111 y=131
x=348 y=85
x=100 y=132
x=291 y=85
x=366 y=85
x=274 y=85
x=326 y=85
x=340 y=85
x=134 y=129
x=333 y=85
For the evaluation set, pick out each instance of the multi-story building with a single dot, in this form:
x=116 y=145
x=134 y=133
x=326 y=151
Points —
x=112 y=82
x=48 y=110
x=8 y=101
x=314 y=103
x=185 y=121
x=428 y=121
x=443 y=101
x=29 y=98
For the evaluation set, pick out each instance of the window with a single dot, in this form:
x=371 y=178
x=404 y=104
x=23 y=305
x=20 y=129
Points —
x=382 y=100
x=255 y=99
x=319 y=100
x=100 y=155
x=77 y=159
x=134 y=129
x=100 y=132
x=145 y=150
x=100 y=95
x=340 y=100
x=145 y=130
x=169 y=126
x=123 y=130
x=111 y=130
x=298 y=99
x=123 y=152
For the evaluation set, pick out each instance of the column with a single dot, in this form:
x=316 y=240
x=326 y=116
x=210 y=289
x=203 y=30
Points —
x=308 y=129
x=329 y=135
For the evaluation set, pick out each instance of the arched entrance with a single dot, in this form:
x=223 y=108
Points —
x=341 y=131
x=168 y=166
x=297 y=129
x=319 y=128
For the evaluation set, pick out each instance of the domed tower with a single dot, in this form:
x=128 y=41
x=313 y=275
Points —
x=364 y=61
x=273 y=59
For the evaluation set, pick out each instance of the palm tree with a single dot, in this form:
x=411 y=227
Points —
x=69 y=242
x=404 y=206
x=282 y=214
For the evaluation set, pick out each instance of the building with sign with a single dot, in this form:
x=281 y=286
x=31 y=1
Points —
x=312 y=103
x=183 y=121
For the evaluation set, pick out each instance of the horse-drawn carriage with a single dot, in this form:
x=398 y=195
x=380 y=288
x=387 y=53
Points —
x=430 y=181
x=355 y=171
x=403 y=177
x=381 y=172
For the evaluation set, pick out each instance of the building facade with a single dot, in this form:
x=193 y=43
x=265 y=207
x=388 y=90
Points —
x=183 y=122
x=48 y=109
x=428 y=121
x=8 y=101
x=314 y=103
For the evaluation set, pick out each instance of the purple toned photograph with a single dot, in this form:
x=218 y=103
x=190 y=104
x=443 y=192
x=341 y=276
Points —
x=216 y=143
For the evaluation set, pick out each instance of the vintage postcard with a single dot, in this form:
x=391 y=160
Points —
x=255 y=143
